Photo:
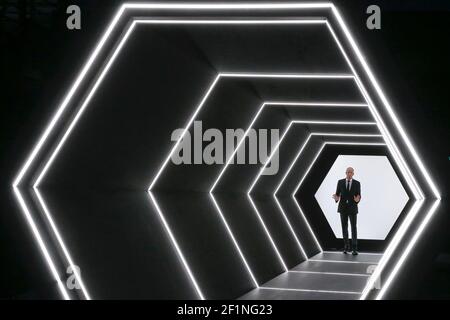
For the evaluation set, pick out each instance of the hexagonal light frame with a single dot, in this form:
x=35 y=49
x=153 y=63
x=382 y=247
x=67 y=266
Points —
x=37 y=149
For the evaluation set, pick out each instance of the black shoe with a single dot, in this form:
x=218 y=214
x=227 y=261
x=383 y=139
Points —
x=355 y=253
x=345 y=251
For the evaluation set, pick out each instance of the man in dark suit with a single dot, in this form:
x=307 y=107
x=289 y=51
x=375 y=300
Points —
x=348 y=193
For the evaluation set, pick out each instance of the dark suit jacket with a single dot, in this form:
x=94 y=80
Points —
x=346 y=203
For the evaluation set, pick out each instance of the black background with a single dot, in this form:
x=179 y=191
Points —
x=40 y=58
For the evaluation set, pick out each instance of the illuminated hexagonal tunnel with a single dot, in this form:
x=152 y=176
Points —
x=99 y=190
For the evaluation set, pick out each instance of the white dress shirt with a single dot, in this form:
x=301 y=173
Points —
x=348 y=184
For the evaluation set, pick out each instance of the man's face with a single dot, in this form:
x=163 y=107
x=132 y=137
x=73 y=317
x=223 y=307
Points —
x=349 y=173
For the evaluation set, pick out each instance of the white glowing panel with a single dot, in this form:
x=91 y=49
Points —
x=382 y=195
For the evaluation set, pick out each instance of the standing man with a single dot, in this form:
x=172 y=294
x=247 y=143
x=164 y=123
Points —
x=348 y=193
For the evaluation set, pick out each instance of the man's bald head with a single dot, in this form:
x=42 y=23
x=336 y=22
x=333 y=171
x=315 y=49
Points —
x=349 y=173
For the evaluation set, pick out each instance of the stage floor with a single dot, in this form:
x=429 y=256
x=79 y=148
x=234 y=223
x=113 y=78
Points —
x=325 y=276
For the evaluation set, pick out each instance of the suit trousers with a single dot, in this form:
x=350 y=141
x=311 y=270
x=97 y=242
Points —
x=344 y=222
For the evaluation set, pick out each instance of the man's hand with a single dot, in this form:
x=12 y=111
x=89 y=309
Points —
x=336 y=197
x=357 y=198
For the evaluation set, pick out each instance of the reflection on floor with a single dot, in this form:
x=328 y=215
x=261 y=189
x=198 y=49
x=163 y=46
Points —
x=325 y=276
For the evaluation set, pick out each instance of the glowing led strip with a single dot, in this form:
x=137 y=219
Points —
x=310 y=290
x=61 y=242
x=177 y=248
x=42 y=245
x=332 y=273
x=408 y=249
x=34 y=153
x=58 y=148
x=83 y=106
x=284 y=104
x=37 y=148
x=230 y=6
x=219 y=21
x=272 y=242
x=361 y=253
x=247 y=266
x=391 y=247
x=69 y=96
x=251 y=187
x=342 y=261
x=108 y=32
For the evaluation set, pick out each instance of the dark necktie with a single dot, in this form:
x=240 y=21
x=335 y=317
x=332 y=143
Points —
x=348 y=185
